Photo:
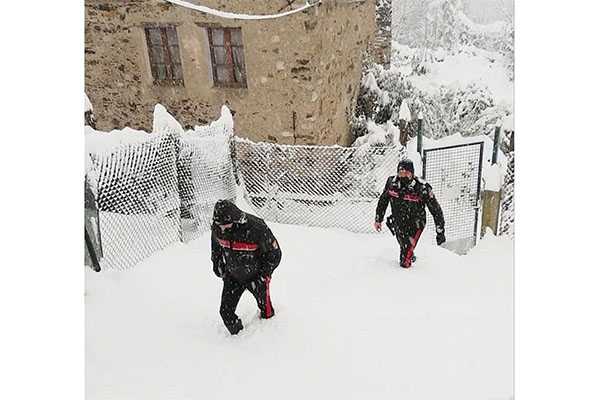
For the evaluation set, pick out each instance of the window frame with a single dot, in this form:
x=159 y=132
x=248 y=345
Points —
x=228 y=47
x=170 y=58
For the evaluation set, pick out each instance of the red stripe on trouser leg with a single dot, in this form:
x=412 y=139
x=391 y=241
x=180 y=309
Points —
x=413 y=243
x=268 y=308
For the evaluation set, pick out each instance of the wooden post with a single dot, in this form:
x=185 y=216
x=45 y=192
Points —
x=491 y=211
x=403 y=132
x=496 y=142
x=404 y=116
x=420 y=134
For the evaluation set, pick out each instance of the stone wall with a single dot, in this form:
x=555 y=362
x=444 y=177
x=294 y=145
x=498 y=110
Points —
x=302 y=71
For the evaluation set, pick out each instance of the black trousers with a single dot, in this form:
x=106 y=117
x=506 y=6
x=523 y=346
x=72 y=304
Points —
x=407 y=239
x=230 y=297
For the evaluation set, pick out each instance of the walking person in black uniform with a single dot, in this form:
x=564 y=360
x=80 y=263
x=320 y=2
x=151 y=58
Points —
x=408 y=196
x=244 y=254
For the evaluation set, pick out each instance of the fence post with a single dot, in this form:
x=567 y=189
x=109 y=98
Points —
x=234 y=159
x=93 y=239
x=176 y=148
x=496 y=142
x=490 y=214
x=420 y=134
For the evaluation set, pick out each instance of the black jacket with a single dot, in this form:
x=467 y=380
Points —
x=245 y=251
x=408 y=204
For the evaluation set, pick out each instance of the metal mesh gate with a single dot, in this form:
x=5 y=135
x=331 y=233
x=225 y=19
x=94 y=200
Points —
x=325 y=186
x=454 y=172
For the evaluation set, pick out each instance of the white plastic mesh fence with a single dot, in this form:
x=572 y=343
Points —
x=324 y=186
x=137 y=200
x=507 y=208
x=160 y=188
x=205 y=176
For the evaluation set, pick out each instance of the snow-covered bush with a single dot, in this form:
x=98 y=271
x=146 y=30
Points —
x=470 y=110
x=455 y=72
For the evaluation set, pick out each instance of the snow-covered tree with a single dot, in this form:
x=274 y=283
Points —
x=431 y=33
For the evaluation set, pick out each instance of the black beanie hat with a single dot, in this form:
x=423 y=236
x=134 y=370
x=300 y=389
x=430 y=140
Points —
x=226 y=212
x=407 y=165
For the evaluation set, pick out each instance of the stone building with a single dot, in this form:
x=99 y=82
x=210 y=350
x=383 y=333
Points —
x=292 y=79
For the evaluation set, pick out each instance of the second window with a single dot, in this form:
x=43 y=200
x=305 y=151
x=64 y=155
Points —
x=227 y=57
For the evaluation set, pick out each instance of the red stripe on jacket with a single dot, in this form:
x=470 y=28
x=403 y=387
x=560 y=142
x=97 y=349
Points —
x=241 y=246
x=412 y=197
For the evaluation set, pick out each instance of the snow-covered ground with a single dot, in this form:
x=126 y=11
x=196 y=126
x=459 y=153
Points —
x=470 y=65
x=474 y=66
x=349 y=324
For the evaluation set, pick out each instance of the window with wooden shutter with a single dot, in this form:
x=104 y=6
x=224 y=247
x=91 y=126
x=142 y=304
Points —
x=163 y=52
x=227 y=57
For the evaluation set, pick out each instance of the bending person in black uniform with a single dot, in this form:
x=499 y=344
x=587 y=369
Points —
x=244 y=254
x=408 y=195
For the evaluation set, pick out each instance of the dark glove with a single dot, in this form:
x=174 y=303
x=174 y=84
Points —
x=440 y=237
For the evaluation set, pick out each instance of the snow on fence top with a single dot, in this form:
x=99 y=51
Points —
x=229 y=15
x=163 y=123
x=154 y=189
x=105 y=142
x=224 y=125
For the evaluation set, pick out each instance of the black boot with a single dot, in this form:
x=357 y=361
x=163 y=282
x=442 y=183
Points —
x=235 y=327
x=413 y=259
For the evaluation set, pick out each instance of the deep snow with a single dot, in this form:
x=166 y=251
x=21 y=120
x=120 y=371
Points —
x=470 y=65
x=349 y=324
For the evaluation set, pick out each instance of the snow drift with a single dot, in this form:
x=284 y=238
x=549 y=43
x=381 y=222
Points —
x=349 y=324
